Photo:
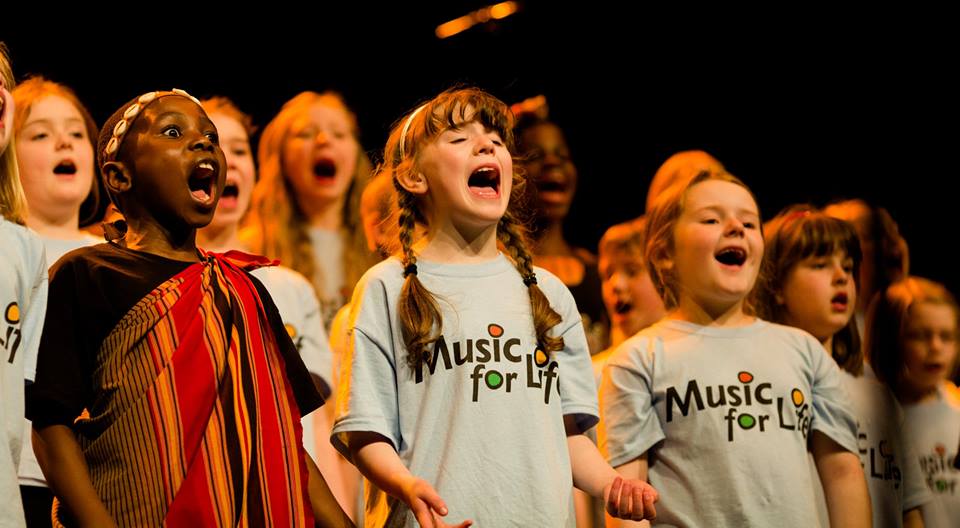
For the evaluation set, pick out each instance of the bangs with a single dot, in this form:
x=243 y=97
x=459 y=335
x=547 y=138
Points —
x=817 y=235
x=453 y=109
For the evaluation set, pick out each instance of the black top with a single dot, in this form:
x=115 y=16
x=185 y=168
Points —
x=91 y=289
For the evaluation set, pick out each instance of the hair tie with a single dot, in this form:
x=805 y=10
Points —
x=530 y=280
x=406 y=128
x=411 y=269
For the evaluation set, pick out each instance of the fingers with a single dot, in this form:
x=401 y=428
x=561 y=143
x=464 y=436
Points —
x=613 y=497
x=650 y=496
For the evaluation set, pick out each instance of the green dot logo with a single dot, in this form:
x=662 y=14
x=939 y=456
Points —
x=494 y=330
x=746 y=421
x=541 y=358
x=12 y=313
x=493 y=379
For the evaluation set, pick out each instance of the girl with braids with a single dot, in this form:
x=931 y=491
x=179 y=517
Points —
x=809 y=270
x=305 y=209
x=467 y=374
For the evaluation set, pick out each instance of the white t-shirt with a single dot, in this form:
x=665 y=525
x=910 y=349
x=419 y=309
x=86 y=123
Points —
x=297 y=303
x=893 y=474
x=482 y=420
x=933 y=429
x=30 y=473
x=23 y=299
x=724 y=415
x=328 y=251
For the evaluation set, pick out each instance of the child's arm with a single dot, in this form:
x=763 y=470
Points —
x=376 y=458
x=624 y=498
x=326 y=509
x=66 y=471
x=913 y=519
x=844 y=485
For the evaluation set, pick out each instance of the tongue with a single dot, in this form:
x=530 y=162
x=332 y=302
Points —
x=200 y=194
x=484 y=192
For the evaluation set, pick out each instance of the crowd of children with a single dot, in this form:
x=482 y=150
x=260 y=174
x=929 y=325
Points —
x=706 y=368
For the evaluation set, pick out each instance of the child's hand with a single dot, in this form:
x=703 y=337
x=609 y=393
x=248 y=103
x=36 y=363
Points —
x=426 y=504
x=630 y=499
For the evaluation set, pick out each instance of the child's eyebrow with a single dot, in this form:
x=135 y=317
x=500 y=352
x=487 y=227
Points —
x=47 y=121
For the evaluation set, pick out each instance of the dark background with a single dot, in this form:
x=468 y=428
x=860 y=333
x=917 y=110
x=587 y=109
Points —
x=805 y=107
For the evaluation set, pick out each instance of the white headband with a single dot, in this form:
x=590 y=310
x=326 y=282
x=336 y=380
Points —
x=406 y=127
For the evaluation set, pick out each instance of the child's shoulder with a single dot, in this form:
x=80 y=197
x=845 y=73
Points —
x=388 y=272
x=19 y=239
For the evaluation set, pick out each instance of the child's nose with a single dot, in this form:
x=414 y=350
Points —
x=484 y=145
x=735 y=227
x=322 y=138
x=203 y=143
x=64 y=141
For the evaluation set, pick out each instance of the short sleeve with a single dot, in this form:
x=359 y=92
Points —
x=626 y=397
x=60 y=390
x=832 y=414
x=367 y=398
x=34 y=312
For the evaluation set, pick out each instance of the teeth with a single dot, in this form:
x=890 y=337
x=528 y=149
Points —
x=205 y=165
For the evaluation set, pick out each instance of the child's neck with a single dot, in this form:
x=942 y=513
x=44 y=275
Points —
x=910 y=395
x=62 y=227
x=150 y=237
x=447 y=244
x=725 y=315
x=325 y=215
x=220 y=239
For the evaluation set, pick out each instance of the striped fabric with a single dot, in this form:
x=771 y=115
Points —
x=195 y=423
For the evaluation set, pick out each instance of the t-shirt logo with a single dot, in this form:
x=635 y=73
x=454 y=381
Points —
x=877 y=459
x=938 y=469
x=748 y=406
x=292 y=332
x=10 y=336
x=496 y=364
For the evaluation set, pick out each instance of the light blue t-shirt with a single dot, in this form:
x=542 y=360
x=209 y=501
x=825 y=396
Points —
x=23 y=301
x=933 y=430
x=30 y=473
x=892 y=471
x=482 y=420
x=725 y=414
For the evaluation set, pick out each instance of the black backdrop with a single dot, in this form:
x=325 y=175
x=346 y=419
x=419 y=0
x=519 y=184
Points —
x=805 y=107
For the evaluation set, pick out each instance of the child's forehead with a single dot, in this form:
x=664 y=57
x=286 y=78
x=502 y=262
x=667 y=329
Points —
x=174 y=106
x=719 y=194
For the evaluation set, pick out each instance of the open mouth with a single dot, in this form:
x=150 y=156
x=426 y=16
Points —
x=65 y=167
x=731 y=256
x=202 y=181
x=230 y=190
x=622 y=307
x=485 y=182
x=839 y=302
x=325 y=170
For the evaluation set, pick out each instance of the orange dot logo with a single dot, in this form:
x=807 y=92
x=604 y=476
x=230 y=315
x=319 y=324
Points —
x=12 y=313
x=745 y=377
x=494 y=330
x=541 y=358
x=291 y=331
x=797 y=397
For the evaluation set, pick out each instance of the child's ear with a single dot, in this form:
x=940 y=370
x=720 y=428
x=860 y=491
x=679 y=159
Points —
x=117 y=177
x=413 y=182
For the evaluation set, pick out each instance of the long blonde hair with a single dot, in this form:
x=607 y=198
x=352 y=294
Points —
x=13 y=203
x=276 y=226
x=418 y=308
